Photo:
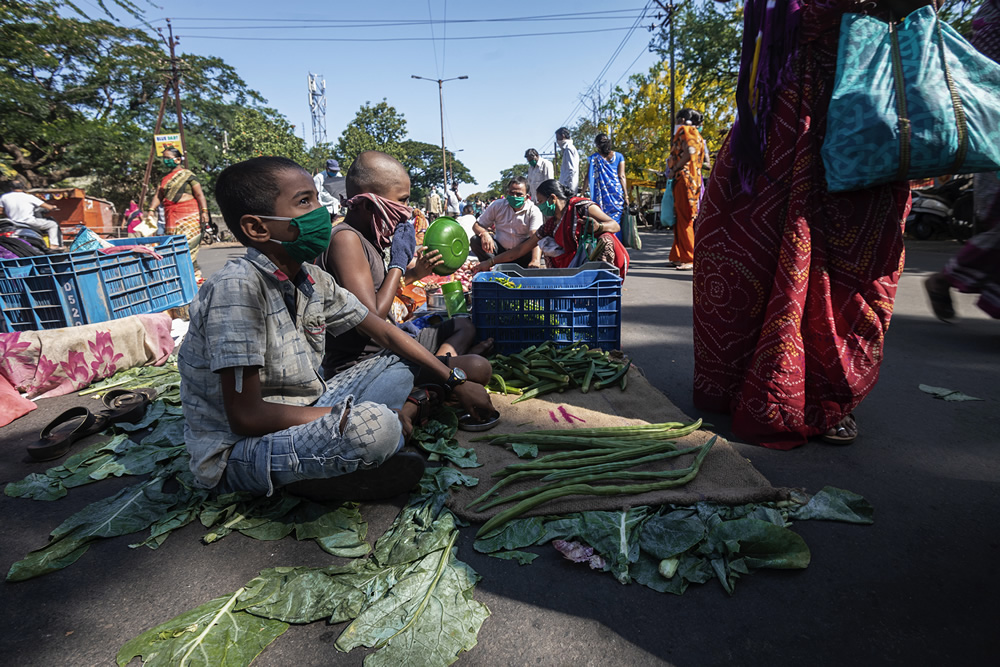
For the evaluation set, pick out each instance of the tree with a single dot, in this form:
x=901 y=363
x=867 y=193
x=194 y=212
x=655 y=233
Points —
x=259 y=132
x=79 y=98
x=498 y=188
x=374 y=128
x=423 y=162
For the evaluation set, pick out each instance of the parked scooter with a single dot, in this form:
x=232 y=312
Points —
x=943 y=210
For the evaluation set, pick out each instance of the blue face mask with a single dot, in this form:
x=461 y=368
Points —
x=314 y=234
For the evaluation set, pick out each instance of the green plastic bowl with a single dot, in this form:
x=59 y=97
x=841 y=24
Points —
x=447 y=237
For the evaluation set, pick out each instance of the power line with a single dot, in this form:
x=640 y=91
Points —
x=548 y=35
x=611 y=61
x=326 y=23
x=434 y=47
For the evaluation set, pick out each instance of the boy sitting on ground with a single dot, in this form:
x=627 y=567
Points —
x=258 y=415
x=377 y=220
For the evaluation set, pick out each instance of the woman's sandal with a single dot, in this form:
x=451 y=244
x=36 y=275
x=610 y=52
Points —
x=58 y=436
x=844 y=433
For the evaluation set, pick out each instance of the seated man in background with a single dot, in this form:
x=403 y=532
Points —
x=377 y=220
x=513 y=219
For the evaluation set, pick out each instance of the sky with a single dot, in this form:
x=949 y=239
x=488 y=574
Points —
x=519 y=90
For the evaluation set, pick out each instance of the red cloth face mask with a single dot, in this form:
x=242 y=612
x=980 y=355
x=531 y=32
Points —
x=381 y=217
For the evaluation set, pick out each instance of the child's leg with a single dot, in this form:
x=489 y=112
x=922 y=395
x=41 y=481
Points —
x=353 y=437
x=384 y=379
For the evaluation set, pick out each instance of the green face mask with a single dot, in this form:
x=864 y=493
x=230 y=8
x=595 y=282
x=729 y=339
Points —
x=170 y=162
x=548 y=209
x=533 y=162
x=515 y=202
x=314 y=234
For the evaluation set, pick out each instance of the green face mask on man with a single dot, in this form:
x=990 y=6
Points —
x=533 y=162
x=516 y=201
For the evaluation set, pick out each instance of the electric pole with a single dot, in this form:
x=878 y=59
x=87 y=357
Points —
x=317 y=107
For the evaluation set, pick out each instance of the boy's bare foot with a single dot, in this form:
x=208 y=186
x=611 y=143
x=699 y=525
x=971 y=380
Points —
x=482 y=348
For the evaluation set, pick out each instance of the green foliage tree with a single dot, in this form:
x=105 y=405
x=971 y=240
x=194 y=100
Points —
x=498 y=188
x=79 y=100
x=263 y=131
x=423 y=162
x=374 y=128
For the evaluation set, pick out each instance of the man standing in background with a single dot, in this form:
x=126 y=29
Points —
x=453 y=206
x=569 y=171
x=539 y=169
x=331 y=186
x=433 y=205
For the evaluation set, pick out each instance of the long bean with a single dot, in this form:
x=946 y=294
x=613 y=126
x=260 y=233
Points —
x=610 y=466
x=631 y=429
x=579 y=461
x=586 y=489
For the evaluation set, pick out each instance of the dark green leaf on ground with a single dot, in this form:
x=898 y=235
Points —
x=947 y=394
x=522 y=557
x=513 y=535
x=667 y=535
x=833 y=504
x=525 y=451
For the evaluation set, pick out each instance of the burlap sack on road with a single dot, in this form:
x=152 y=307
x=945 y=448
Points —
x=725 y=477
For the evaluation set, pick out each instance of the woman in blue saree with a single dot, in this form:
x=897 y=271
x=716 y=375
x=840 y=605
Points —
x=606 y=179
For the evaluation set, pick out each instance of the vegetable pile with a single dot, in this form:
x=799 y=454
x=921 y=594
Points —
x=545 y=368
x=592 y=461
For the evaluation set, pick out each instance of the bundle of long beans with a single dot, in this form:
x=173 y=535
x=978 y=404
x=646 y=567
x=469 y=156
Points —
x=543 y=369
x=604 y=456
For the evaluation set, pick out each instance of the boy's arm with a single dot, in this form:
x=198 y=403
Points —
x=346 y=258
x=472 y=396
x=250 y=415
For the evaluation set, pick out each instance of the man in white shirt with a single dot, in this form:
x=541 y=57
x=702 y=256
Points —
x=539 y=170
x=19 y=207
x=569 y=171
x=330 y=184
x=513 y=219
x=454 y=202
x=467 y=220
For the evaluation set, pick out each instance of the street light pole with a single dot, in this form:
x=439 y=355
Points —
x=440 y=83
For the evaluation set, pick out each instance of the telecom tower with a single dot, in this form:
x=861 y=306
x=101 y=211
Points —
x=317 y=107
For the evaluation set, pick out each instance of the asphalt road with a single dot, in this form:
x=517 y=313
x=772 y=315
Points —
x=916 y=588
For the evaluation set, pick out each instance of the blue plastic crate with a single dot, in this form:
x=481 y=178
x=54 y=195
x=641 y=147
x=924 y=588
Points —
x=585 y=307
x=86 y=287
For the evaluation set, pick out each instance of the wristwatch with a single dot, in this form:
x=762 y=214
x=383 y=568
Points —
x=456 y=378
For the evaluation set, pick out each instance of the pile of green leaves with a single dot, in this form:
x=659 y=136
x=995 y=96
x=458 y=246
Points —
x=411 y=601
x=675 y=546
x=437 y=438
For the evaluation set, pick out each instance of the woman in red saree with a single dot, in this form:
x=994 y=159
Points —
x=793 y=285
x=184 y=204
x=566 y=218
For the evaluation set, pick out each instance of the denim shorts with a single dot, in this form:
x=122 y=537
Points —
x=320 y=449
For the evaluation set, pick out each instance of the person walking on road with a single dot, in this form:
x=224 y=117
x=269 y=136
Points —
x=539 y=169
x=976 y=267
x=684 y=171
x=569 y=171
x=793 y=285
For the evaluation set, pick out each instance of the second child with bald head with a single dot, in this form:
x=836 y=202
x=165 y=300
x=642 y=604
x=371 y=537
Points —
x=372 y=251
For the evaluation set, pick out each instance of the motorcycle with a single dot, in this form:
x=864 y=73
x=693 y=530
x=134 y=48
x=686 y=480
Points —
x=210 y=232
x=946 y=209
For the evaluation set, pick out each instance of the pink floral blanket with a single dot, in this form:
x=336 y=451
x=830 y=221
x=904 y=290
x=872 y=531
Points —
x=42 y=364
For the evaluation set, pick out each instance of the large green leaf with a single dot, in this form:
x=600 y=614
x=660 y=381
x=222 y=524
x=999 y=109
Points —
x=339 y=531
x=448 y=448
x=429 y=618
x=760 y=543
x=615 y=536
x=213 y=635
x=421 y=528
x=304 y=594
x=36 y=486
x=261 y=518
x=132 y=509
x=646 y=571
x=667 y=535
x=513 y=535
x=441 y=479
x=833 y=504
